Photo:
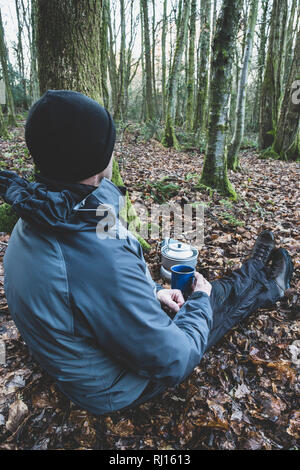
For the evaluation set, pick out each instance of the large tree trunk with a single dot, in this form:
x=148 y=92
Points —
x=153 y=58
x=69 y=49
x=261 y=58
x=4 y=64
x=20 y=54
x=169 y=138
x=233 y=152
x=131 y=68
x=119 y=110
x=200 y=117
x=287 y=138
x=3 y=127
x=104 y=51
x=163 y=59
x=112 y=63
x=32 y=35
x=29 y=16
x=272 y=83
x=191 y=69
x=148 y=62
x=290 y=42
x=214 y=173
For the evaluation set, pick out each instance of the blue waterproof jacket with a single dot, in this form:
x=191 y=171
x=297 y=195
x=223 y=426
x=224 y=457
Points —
x=81 y=295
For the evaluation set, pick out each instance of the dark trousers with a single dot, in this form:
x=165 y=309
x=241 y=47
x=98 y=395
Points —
x=233 y=298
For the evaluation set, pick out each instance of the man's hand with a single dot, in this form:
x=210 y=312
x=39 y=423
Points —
x=201 y=284
x=172 y=298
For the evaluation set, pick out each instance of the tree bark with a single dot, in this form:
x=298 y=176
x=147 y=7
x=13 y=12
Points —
x=119 y=111
x=260 y=63
x=4 y=134
x=233 y=152
x=290 y=42
x=34 y=79
x=112 y=64
x=69 y=49
x=169 y=138
x=272 y=83
x=191 y=68
x=104 y=52
x=148 y=64
x=11 y=117
x=200 y=117
x=214 y=173
x=154 y=87
x=287 y=138
x=163 y=59
x=20 y=55
x=129 y=73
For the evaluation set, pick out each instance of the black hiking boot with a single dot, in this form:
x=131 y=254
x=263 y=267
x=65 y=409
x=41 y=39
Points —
x=281 y=269
x=264 y=245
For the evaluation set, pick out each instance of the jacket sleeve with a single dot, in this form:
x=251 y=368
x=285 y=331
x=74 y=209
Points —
x=131 y=326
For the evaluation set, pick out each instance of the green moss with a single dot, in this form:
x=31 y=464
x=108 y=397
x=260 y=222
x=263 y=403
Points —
x=8 y=218
x=293 y=152
x=222 y=185
x=269 y=153
x=169 y=138
x=232 y=219
x=5 y=135
x=162 y=190
x=128 y=213
x=233 y=160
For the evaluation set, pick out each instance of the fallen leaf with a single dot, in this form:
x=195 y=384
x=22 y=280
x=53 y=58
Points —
x=17 y=412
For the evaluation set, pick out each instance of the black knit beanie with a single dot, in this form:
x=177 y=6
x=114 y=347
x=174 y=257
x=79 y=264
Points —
x=69 y=136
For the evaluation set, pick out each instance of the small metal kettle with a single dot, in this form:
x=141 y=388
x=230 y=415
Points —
x=174 y=252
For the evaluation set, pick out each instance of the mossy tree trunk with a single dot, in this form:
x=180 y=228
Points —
x=20 y=54
x=28 y=11
x=69 y=48
x=112 y=63
x=261 y=57
x=200 y=116
x=32 y=35
x=290 y=42
x=287 y=138
x=119 y=110
x=191 y=68
x=148 y=62
x=104 y=51
x=163 y=59
x=234 y=148
x=154 y=87
x=143 y=107
x=131 y=66
x=272 y=82
x=4 y=65
x=169 y=138
x=214 y=173
x=3 y=127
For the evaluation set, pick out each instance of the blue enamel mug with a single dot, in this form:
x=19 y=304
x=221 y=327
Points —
x=182 y=278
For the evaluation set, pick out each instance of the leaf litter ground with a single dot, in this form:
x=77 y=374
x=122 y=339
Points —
x=245 y=392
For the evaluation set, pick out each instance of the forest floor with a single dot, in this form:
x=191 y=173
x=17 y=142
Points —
x=245 y=392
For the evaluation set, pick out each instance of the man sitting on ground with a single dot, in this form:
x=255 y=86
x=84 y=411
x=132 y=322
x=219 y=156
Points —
x=86 y=305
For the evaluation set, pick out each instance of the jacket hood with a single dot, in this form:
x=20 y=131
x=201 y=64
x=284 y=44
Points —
x=66 y=209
